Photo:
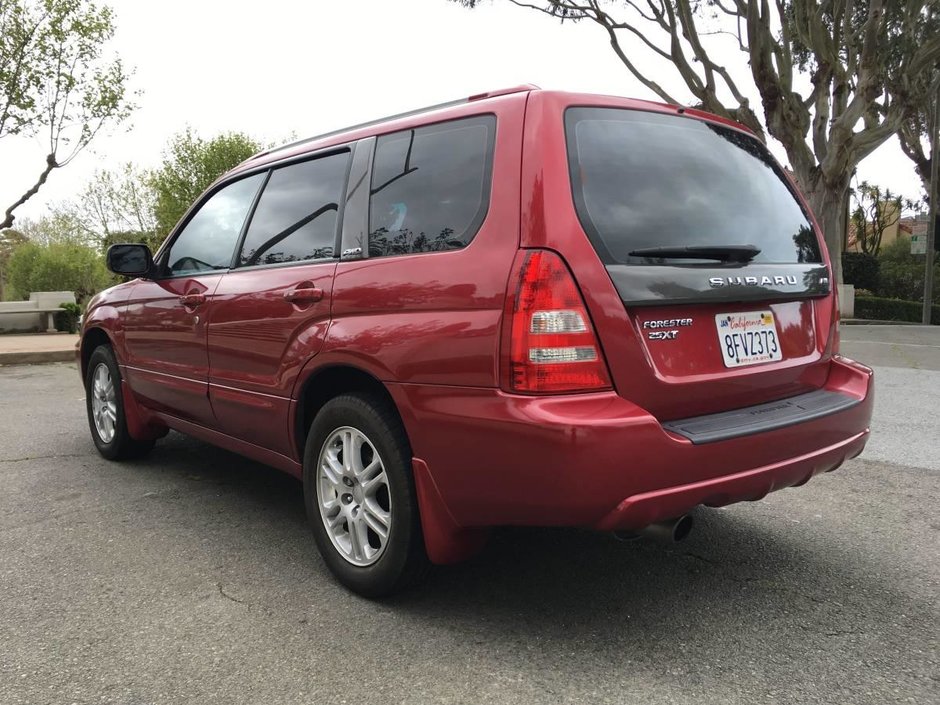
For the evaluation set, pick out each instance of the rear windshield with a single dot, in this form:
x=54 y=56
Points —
x=644 y=180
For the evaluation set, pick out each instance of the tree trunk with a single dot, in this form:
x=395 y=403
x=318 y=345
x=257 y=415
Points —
x=9 y=217
x=830 y=206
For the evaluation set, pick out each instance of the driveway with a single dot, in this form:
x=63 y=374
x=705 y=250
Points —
x=191 y=577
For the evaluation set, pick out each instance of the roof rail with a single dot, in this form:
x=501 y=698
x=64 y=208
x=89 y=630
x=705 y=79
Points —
x=460 y=101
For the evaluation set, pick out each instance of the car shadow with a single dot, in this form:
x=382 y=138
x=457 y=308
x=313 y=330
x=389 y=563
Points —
x=743 y=573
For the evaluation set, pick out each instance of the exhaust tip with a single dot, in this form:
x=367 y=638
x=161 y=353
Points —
x=682 y=528
x=671 y=530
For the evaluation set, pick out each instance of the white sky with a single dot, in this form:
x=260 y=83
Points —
x=286 y=67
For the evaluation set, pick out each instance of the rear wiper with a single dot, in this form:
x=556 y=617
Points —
x=723 y=253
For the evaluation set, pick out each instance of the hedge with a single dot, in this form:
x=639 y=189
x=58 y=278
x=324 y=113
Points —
x=901 y=274
x=877 y=309
x=860 y=269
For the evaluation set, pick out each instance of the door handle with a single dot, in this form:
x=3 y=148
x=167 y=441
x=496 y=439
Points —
x=304 y=295
x=192 y=299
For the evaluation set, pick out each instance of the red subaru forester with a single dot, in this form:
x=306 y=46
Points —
x=526 y=307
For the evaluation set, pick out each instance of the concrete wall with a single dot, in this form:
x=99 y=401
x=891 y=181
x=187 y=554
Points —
x=846 y=301
x=23 y=323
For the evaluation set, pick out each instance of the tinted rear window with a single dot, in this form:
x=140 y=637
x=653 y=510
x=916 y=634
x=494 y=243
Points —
x=644 y=180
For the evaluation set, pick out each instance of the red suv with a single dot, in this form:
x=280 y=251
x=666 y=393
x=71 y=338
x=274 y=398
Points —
x=526 y=307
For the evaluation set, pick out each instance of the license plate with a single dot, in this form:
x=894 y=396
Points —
x=747 y=338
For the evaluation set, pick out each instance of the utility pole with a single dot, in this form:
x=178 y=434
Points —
x=934 y=196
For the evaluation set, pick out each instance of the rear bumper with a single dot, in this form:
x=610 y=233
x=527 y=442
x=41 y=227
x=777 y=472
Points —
x=642 y=509
x=597 y=460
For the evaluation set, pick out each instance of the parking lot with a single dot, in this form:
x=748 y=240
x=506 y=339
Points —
x=191 y=577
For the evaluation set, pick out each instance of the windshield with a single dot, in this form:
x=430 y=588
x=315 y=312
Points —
x=646 y=180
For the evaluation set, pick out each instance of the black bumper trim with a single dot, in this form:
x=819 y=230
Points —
x=761 y=417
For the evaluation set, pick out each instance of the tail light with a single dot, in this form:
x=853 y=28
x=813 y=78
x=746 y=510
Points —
x=552 y=346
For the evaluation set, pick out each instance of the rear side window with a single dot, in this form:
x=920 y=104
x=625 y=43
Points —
x=430 y=187
x=296 y=216
x=646 y=180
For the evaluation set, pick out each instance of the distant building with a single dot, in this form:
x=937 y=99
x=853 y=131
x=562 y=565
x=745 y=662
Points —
x=901 y=228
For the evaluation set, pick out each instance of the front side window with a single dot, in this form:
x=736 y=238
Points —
x=207 y=241
x=296 y=216
x=430 y=186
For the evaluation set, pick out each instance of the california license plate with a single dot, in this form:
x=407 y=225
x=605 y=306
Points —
x=748 y=338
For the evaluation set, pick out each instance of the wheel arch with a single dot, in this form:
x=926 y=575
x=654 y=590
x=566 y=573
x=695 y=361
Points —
x=91 y=339
x=326 y=383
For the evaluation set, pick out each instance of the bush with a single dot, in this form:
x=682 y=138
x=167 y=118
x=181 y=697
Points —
x=880 y=309
x=57 y=267
x=901 y=274
x=860 y=269
x=67 y=319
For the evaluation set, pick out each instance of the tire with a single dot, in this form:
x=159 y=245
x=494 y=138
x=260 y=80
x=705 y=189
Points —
x=110 y=436
x=357 y=496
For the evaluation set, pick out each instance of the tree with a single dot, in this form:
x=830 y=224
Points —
x=55 y=267
x=115 y=237
x=112 y=202
x=834 y=78
x=913 y=133
x=190 y=165
x=9 y=240
x=875 y=211
x=56 y=80
x=57 y=227
x=901 y=274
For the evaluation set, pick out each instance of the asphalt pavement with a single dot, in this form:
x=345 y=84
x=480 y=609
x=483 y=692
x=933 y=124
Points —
x=191 y=577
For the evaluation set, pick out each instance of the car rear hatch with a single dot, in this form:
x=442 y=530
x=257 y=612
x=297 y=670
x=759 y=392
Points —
x=716 y=260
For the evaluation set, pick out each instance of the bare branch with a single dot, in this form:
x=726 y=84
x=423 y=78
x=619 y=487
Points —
x=8 y=217
x=631 y=67
x=691 y=34
x=605 y=20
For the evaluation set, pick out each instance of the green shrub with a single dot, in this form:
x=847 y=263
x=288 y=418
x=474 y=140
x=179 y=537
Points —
x=57 y=267
x=860 y=269
x=880 y=309
x=67 y=319
x=901 y=274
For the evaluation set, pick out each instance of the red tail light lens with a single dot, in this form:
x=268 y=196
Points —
x=553 y=347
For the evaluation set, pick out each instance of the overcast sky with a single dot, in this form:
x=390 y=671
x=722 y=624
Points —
x=283 y=67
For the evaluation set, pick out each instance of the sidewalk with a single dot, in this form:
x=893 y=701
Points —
x=25 y=349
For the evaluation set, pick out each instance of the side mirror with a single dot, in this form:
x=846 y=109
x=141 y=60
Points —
x=130 y=260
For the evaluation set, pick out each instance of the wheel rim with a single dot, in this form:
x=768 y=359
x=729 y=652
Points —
x=103 y=403
x=354 y=496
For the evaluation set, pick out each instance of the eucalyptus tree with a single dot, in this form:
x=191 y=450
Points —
x=835 y=79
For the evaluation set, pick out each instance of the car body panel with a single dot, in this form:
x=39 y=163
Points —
x=104 y=313
x=258 y=342
x=572 y=460
x=434 y=318
x=165 y=354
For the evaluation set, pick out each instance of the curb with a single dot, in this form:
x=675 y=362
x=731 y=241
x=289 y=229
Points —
x=36 y=358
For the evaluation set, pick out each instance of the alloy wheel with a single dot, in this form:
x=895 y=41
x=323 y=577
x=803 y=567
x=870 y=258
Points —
x=353 y=496
x=103 y=403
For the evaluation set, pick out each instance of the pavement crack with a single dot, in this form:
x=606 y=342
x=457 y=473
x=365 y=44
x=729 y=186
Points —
x=233 y=599
x=700 y=558
x=44 y=457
